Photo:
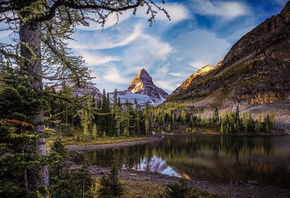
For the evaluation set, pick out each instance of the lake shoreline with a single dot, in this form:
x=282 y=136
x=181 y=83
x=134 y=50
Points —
x=233 y=189
x=156 y=137
x=230 y=189
x=81 y=148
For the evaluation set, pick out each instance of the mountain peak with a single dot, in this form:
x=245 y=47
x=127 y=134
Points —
x=143 y=76
x=143 y=84
x=143 y=72
x=140 y=81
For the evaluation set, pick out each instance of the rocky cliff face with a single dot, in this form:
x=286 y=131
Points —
x=142 y=84
x=254 y=73
x=269 y=40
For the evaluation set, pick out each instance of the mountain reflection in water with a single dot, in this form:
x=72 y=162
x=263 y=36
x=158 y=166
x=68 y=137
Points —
x=156 y=164
x=265 y=159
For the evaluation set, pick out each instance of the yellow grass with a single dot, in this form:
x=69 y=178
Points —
x=134 y=189
x=89 y=141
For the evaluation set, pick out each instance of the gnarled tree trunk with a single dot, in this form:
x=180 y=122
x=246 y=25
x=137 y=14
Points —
x=30 y=39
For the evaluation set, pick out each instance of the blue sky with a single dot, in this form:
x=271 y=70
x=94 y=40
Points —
x=201 y=32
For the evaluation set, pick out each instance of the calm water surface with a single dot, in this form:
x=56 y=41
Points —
x=212 y=158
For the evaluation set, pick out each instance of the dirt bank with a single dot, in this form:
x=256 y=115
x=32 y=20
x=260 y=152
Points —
x=79 y=148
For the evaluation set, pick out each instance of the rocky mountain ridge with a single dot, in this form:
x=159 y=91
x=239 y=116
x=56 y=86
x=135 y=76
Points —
x=195 y=77
x=254 y=72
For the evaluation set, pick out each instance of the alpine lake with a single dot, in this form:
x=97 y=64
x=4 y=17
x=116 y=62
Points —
x=260 y=159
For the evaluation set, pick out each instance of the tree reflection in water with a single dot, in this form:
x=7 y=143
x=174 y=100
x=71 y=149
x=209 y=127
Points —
x=212 y=158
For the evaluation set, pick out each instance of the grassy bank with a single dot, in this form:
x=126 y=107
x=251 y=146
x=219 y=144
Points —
x=135 y=189
x=75 y=140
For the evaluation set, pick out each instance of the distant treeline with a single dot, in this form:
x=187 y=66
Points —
x=96 y=117
x=170 y=120
x=109 y=117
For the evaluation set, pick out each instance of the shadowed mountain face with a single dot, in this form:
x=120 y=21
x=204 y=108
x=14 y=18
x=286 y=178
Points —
x=255 y=71
x=142 y=84
x=255 y=74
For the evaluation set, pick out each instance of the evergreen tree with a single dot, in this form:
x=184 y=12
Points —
x=118 y=119
x=216 y=115
x=258 y=124
x=199 y=117
x=126 y=118
x=19 y=159
x=147 y=126
x=267 y=123
x=272 y=118
x=110 y=184
x=137 y=116
x=147 y=120
x=116 y=113
x=86 y=117
x=65 y=182
x=44 y=26
x=179 y=189
x=183 y=116
x=95 y=131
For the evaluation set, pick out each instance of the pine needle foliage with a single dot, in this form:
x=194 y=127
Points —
x=111 y=185
x=179 y=189
x=65 y=182
x=19 y=159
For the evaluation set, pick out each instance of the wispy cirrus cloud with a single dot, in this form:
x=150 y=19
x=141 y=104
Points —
x=226 y=9
x=198 y=64
x=99 y=40
x=95 y=58
x=147 y=52
x=114 y=75
x=167 y=85
x=178 y=74
x=200 y=48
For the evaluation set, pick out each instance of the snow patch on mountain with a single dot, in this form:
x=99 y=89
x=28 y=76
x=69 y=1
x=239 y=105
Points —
x=143 y=90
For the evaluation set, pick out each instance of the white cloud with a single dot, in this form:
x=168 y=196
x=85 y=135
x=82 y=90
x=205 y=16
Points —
x=101 y=40
x=198 y=64
x=147 y=51
x=178 y=74
x=166 y=84
x=200 y=48
x=94 y=58
x=177 y=13
x=114 y=75
x=225 y=9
